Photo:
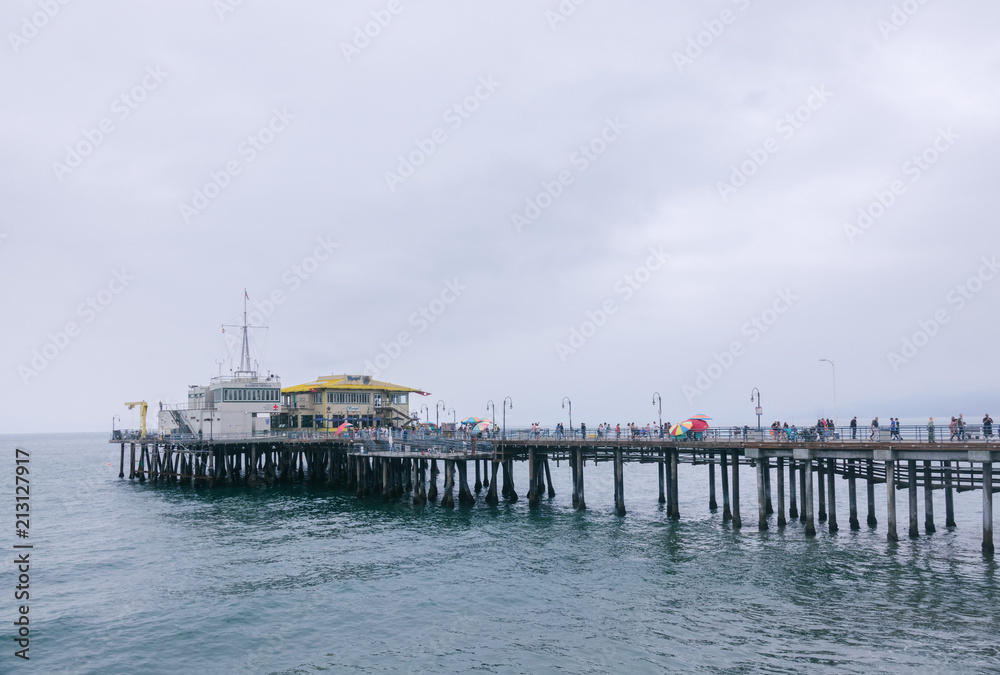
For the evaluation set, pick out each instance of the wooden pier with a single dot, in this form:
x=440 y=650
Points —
x=409 y=467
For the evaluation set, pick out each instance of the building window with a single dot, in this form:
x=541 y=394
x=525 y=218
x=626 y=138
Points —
x=378 y=400
x=317 y=398
x=400 y=399
x=346 y=397
x=307 y=421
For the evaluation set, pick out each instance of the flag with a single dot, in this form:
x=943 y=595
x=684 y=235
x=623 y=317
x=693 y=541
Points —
x=245 y=294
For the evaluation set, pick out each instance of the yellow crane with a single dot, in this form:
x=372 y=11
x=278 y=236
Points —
x=142 y=413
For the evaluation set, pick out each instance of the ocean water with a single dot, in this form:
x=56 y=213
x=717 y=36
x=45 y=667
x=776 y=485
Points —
x=130 y=578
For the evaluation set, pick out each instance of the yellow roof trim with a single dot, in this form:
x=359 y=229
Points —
x=341 y=382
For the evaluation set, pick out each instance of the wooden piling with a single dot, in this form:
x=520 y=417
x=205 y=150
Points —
x=573 y=478
x=581 y=503
x=780 y=474
x=737 y=520
x=675 y=504
x=928 y=500
x=385 y=481
x=508 y=479
x=548 y=479
x=807 y=496
x=912 y=490
x=121 y=463
x=852 y=493
x=761 y=500
x=465 y=497
x=486 y=473
x=821 y=489
x=131 y=461
x=793 y=507
x=420 y=482
x=870 y=479
x=890 y=497
x=768 y=507
x=802 y=491
x=831 y=485
x=949 y=497
x=479 y=481
x=727 y=513
x=988 y=508
x=448 y=497
x=712 y=504
x=432 y=490
x=660 y=472
x=619 y=483
x=532 y=478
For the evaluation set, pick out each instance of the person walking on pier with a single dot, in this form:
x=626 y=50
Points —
x=953 y=428
x=875 y=432
x=930 y=430
x=854 y=428
x=987 y=427
x=583 y=430
x=961 y=428
x=894 y=429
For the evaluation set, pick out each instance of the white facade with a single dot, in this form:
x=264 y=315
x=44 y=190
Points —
x=226 y=407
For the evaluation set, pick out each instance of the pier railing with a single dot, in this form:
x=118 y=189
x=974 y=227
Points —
x=972 y=433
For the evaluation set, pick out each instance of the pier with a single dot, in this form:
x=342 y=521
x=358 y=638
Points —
x=795 y=479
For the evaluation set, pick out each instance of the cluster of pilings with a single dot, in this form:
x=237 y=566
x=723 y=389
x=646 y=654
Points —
x=895 y=472
x=392 y=474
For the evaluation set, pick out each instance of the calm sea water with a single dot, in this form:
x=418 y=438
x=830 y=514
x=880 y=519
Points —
x=130 y=578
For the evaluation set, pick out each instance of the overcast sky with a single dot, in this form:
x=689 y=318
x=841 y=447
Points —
x=598 y=200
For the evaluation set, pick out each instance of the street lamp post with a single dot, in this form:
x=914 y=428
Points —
x=659 y=411
x=759 y=409
x=834 y=390
x=505 y=406
x=440 y=405
x=116 y=417
x=423 y=406
x=491 y=404
x=454 y=418
x=564 y=402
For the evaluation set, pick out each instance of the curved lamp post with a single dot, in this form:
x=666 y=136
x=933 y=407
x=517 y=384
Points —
x=423 y=406
x=659 y=410
x=438 y=407
x=759 y=409
x=564 y=402
x=834 y=390
x=505 y=406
